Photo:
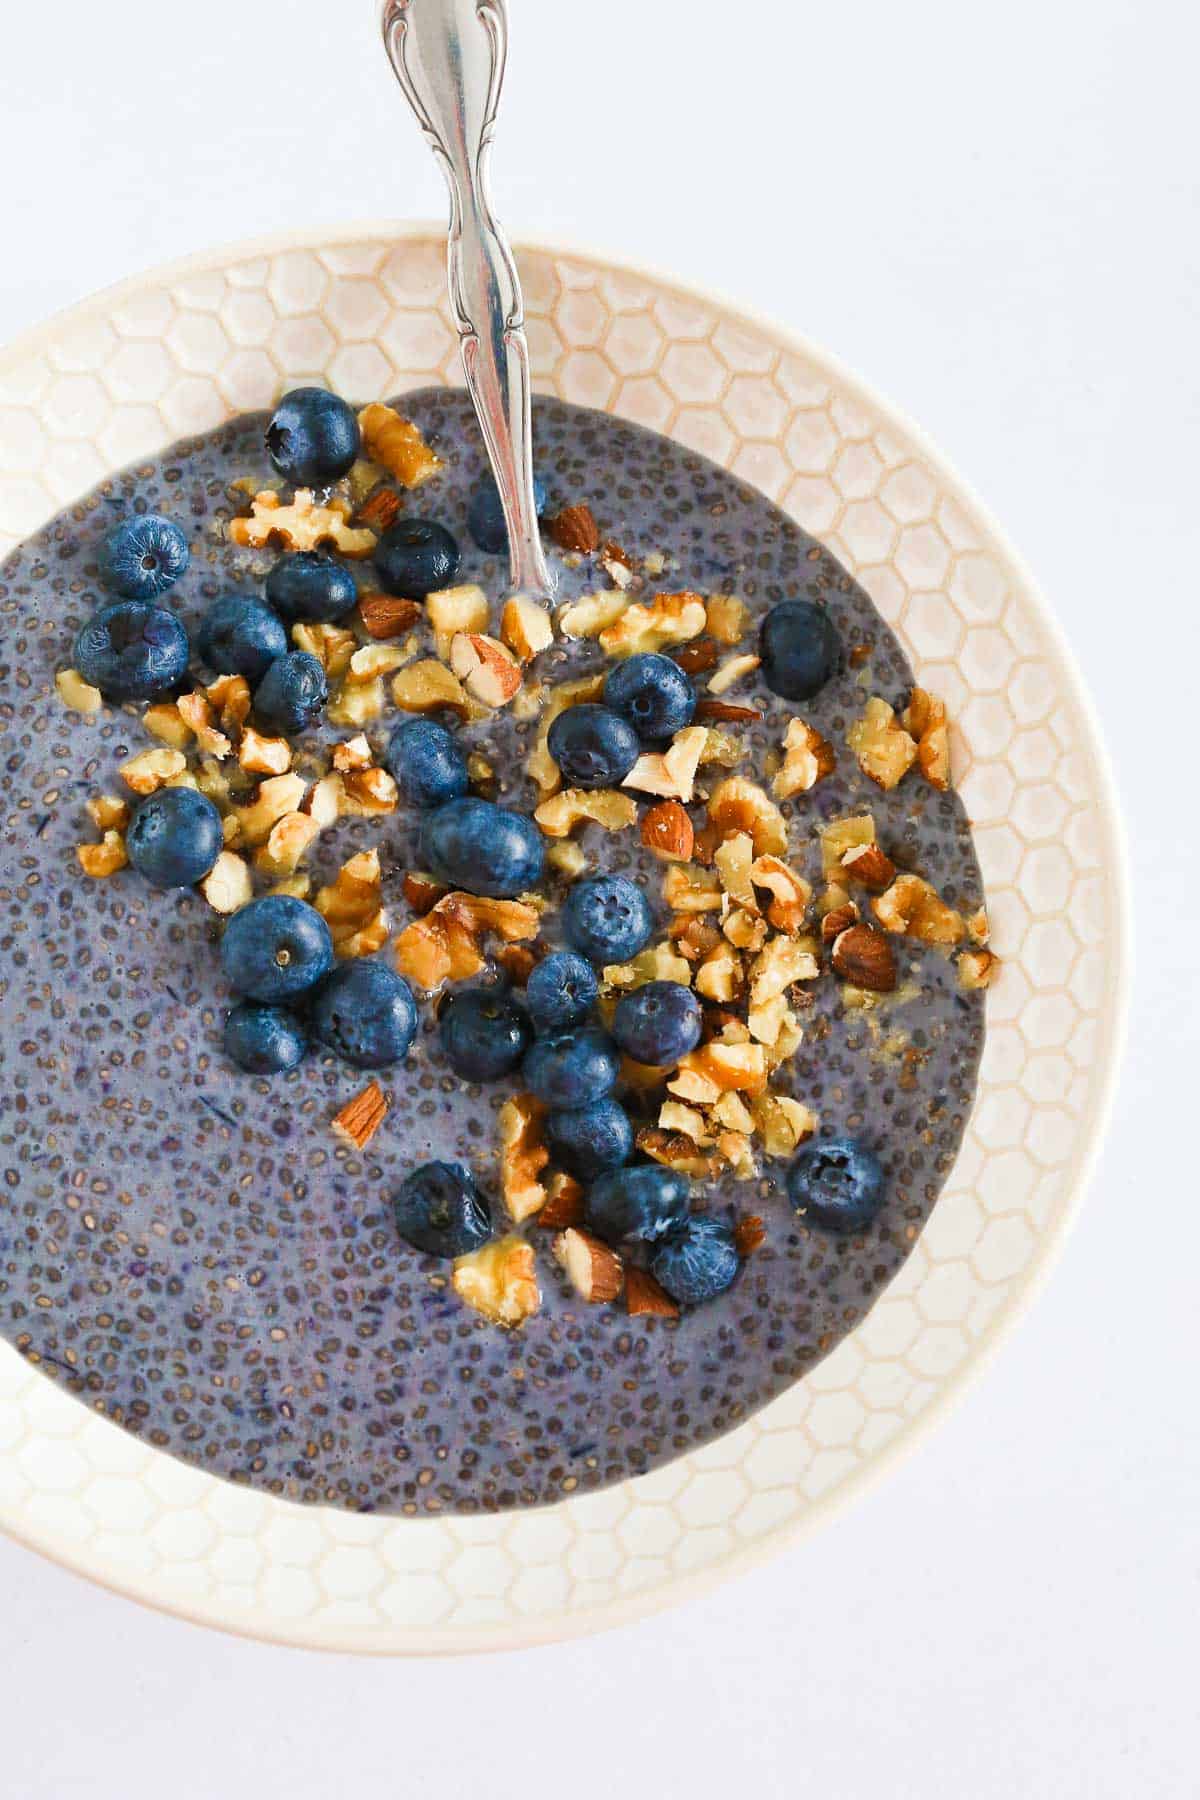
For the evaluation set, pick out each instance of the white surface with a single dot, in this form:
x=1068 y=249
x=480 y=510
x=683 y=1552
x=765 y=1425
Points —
x=1013 y=1611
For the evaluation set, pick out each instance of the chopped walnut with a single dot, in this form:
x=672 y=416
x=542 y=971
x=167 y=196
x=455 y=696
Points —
x=731 y=671
x=228 y=886
x=791 y=893
x=656 y=963
x=152 y=769
x=429 y=686
x=744 y=930
x=525 y=627
x=540 y=765
x=925 y=720
x=352 y=753
x=499 y=1281
x=165 y=723
x=352 y=906
x=368 y=794
x=104 y=858
x=356 y=702
x=727 y=618
x=260 y=755
x=523 y=1156
x=332 y=645
x=77 y=693
x=722 y=748
x=559 y=815
x=197 y=714
x=720 y=975
x=884 y=749
x=687 y=889
x=323 y=802
x=591 y=614
x=422 y=892
x=843 y=835
x=673 y=1115
x=303 y=525
x=977 y=969
x=913 y=907
x=676 y=1150
x=287 y=841
x=230 y=695
x=373 y=660
x=454 y=609
x=667 y=619
x=108 y=812
x=396 y=443
x=693 y=935
x=277 y=796
x=706 y=1073
x=778 y=964
x=671 y=773
x=488 y=671
x=444 y=944
x=736 y=804
x=781 y=1123
x=567 y=858
x=978 y=929
x=732 y=860
x=806 y=758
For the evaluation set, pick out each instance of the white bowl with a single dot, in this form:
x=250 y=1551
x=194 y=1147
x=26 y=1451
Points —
x=364 y=310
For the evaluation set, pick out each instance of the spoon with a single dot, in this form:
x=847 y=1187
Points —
x=448 y=56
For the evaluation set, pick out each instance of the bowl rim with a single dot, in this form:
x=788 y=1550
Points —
x=952 y=1388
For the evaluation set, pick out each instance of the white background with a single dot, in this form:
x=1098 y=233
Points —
x=992 y=214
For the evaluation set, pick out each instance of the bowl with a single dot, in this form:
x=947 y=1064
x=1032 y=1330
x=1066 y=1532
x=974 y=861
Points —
x=364 y=310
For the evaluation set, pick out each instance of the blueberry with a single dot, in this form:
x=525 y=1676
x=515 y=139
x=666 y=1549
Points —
x=238 y=635
x=799 y=649
x=132 y=650
x=313 y=437
x=291 y=695
x=311 y=587
x=837 y=1185
x=485 y=515
x=697 y=1260
x=593 y=747
x=143 y=557
x=365 y=1014
x=174 y=837
x=607 y=918
x=590 y=1139
x=574 y=1068
x=652 y=694
x=484 y=1034
x=276 y=948
x=561 y=991
x=426 y=762
x=415 y=557
x=264 y=1040
x=658 y=1023
x=485 y=849
x=643 y=1202
x=439 y=1210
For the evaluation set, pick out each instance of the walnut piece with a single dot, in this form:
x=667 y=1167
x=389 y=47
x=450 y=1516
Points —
x=667 y=619
x=842 y=835
x=108 y=812
x=104 y=858
x=884 y=749
x=396 y=443
x=444 y=945
x=559 y=815
x=732 y=860
x=368 y=794
x=567 y=858
x=672 y=774
x=676 y=1150
x=706 y=1073
x=352 y=906
x=428 y=686
x=332 y=645
x=781 y=1123
x=197 y=714
x=499 y=1281
x=727 y=618
x=276 y=796
x=913 y=907
x=356 y=703
x=163 y=722
x=736 y=804
x=687 y=889
x=228 y=886
x=302 y=525
x=806 y=758
x=373 y=660
x=352 y=753
x=925 y=720
x=720 y=976
x=791 y=894
x=264 y=755
x=523 y=1156
x=77 y=693
x=658 y=962
x=591 y=614
x=539 y=764
x=152 y=769
x=454 y=609
x=230 y=695
x=287 y=841
x=977 y=969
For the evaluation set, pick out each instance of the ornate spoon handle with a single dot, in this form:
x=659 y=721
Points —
x=448 y=56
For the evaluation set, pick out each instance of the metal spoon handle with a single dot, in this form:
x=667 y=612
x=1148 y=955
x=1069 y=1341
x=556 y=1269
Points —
x=448 y=56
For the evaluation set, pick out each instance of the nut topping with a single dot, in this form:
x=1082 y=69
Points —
x=361 y=1117
x=396 y=444
x=574 y=528
x=864 y=958
x=302 y=525
x=523 y=1156
x=593 y=1270
x=485 y=667
x=387 y=615
x=559 y=815
x=884 y=749
x=499 y=1281
x=667 y=832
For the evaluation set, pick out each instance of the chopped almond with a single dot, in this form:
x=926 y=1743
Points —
x=456 y=609
x=523 y=1156
x=837 y=921
x=396 y=443
x=593 y=1270
x=387 y=615
x=228 y=886
x=884 y=749
x=379 y=510
x=77 y=693
x=301 y=525
x=487 y=670
x=559 y=815
x=806 y=758
x=748 y=1235
x=731 y=671
x=525 y=627
x=697 y=656
x=563 y=1205
x=733 y=715
x=667 y=832
x=864 y=958
x=673 y=772
x=868 y=864
x=361 y=1117
x=574 y=528
x=499 y=1281
x=644 y=1295
x=591 y=614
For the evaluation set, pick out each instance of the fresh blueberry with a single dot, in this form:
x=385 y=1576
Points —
x=485 y=849
x=439 y=1210
x=238 y=635
x=276 y=948
x=426 y=762
x=593 y=746
x=311 y=587
x=132 y=650
x=485 y=515
x=574 y=1068
x=143 y=557
x=264 y=1040
x=652 y=694
x=799 y=649
x=313 y=437
x=590 y=1139
x=645 y=1202
x=365 y=1014
x=837 y=1184
x=658 y=1023
x=291 y=695
x=174 y=837
x=607 y=918
x=561 y=991
x=484 y=1034
x=697 y=1260
x=415 y=557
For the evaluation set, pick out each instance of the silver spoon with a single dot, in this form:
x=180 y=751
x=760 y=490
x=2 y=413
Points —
x=448 y=56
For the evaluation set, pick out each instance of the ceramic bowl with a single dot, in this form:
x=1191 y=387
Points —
x=364 y=311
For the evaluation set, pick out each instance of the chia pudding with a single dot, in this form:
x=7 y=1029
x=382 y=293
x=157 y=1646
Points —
x=190 y=1249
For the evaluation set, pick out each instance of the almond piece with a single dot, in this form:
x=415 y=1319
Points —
x=485 y=667
x=379 y=510
x=454 y=609
x=837 y=921
x=564 y=1203
x=644 y=1295
x=696 y=657
x=748 y=1234
x=361 y=1117
x=525 y=627
x=574 y=528
x=667 y=832
x=864 y=958
x=77 y=693
x=727 y=713
x=868 y=864
x=387 y=615
x=593 y=1270
x=671 y=773
x=731 y=671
